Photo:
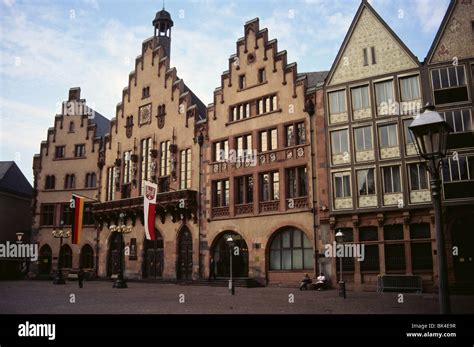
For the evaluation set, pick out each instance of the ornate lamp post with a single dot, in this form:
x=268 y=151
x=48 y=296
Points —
x=230 y=242
x=342 y=284
x=121 y=229
x=431 y=132
x=60 y=234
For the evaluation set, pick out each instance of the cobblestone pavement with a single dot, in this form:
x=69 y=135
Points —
x=99 y=297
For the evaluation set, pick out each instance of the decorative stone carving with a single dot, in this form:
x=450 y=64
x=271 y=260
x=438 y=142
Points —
x=338 y=118
x=144 y=115
x=420 y=196
x=390 y=152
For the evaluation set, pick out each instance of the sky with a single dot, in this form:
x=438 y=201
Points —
x=47 y=47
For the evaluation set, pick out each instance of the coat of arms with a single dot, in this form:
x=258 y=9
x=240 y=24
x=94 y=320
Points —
x=150 y=192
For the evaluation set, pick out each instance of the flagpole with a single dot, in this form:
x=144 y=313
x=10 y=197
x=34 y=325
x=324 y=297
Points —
x=85 y=197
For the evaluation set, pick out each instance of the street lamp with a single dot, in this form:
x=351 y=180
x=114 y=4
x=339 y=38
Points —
x=60 y=234
x=431 y=132
x=121 y=229
x=230 y=242
x=342 y=285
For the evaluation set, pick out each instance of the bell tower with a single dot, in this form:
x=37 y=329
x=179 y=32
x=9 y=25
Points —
x=162 y=36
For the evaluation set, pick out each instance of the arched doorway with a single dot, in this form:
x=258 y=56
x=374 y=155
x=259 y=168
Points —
x=65 y=257
x=463 y=239
x=185 y=254
x=113 y=257
x=153 y=257
x=86 y=260
x=45 y=256
x=221 y=254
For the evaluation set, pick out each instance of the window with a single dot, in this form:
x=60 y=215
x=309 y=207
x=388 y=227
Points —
x=366 y=57
x=291 y=250
x=165 y=158
x=410 y=88
x=368 y=234
x=363 y=138
x=91 y=180
x=460 y=120
x=59 y=153
x=418 y=176
x=337 y=102
x=50 y=182
x=371 y=258
x=267 y=104
x=342 y=184
x=71 y=127
x=87 y=257
x=409 y=139
x=366 y=182
x=145 y=92
x=374 y=60
x=161 y=110
x=394 y=257
x=384 y=95
x=270 y=186
x=458 y=170
x=127 y=167
x=66 y=215
x=388 y=136
x=80 y=150
x=243 y=145
x=146 y=172
x=221 y=150
x=268 y=140
x=220 y=193
x=297 y=137
x=420 y=231
x=88 y=216
x=111 y=171
x=240 y=112
x=70 y=182
x=185 y=177
x=421 y=257
x=47 y=214
x=391 y=179
x=393 y=232
x=261 y=75
x=339 y=142
x=449 y=85
x=296 y=182
x=242 y=83
x=360 y=98
x=244 y=190
x=65 y=257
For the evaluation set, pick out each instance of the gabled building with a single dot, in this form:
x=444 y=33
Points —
x=448 y=77
x=379 y=192
x=258 y=166
x=153 y=137
x=68 y=162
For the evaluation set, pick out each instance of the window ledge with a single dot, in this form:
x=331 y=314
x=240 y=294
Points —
x=279 y=110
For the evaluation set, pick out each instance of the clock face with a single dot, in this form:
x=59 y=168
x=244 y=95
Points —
x=144 y=115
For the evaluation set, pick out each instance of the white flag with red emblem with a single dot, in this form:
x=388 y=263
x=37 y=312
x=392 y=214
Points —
x=149 y=205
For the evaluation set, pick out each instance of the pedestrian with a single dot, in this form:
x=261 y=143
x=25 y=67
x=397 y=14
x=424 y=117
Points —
x=212 y=269
x=80 y=278
x=321 y=282
x=305 y=282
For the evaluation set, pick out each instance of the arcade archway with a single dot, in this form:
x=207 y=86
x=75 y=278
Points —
x=221 y=253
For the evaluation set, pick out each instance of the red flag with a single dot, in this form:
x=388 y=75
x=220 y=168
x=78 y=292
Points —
x=149 y=205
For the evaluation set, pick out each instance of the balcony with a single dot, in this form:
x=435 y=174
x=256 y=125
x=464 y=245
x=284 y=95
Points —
x=180 y=205
x=269 y=206
x=296 y=203
x=218 y=212
x=243 y=209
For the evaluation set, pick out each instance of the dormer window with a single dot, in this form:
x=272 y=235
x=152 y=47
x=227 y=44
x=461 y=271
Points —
x=145 y=92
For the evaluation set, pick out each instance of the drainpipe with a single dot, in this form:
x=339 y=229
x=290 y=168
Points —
x=310 y=109
x=200 y=141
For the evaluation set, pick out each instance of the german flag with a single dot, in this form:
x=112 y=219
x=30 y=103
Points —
x=77 y=206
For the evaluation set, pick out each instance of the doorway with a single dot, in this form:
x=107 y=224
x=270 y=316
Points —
x=185 y=255
x=153 y=262
x=221 y=253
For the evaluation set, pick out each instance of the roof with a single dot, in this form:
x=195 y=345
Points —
x=202 y=109
x=13 y=181
x=164 y=16
x=103 y=124
x=440 y=32
x=314 y=78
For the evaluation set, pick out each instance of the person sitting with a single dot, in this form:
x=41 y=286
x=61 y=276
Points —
x=305 y=282
x=321 y=282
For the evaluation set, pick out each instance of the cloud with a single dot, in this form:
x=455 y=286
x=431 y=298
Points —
x=430 y=16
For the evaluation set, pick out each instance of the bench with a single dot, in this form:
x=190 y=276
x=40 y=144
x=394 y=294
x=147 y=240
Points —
x=386 y=283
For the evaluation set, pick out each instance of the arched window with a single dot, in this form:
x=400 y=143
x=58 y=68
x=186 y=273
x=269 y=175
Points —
x=90 y=180
x=65 y=257
x=44 y=260
x=66 y=182
x=49 y=182
x=87 y=257
x=70 y=182
x=291 y=249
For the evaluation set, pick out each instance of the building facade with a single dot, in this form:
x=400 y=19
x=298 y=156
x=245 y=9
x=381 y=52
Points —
x=449 y=85
x=68 y=163
x=277 y=164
